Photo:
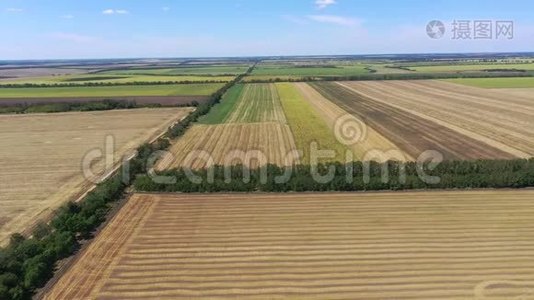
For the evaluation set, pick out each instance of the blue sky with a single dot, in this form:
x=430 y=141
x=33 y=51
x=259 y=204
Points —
x=42 y=29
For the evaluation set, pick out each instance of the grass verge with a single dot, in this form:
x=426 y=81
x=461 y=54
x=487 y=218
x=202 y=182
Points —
x=220 y=112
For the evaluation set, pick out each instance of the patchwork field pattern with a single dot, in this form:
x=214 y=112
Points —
x=414 y=133
x=496 y=119
x=312 y=71
x=99 y=78
x=249 y=123
x=214 y=70
x=461 y=68
x=422 y=245
x=113 y=91
x=366 y=139
x=41 y=156
x=268 y=142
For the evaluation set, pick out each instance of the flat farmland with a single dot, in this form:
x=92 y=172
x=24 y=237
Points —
x=313 y=71
x=112 y=91
x=366 y=139
x=143 y=100
x=250 y=118
x=220 y=112
x=496 y=83
x=501 y=122
x=460 y=68
x=257 y=103
x=41 y=156
x=185 y=70
x=517 y=92
x=417 y=245
x=409 y=130
x=253 y=78
x=99 y=78
x=308 y=126
x=273 y=140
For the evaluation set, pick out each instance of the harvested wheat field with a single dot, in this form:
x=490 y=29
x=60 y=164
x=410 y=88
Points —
x=413 y=132
x=41 y=156
x=250 y=144
x=516 y=92
x=407 y=245
x=363 y=139
x=501 y=121
x=257 y=103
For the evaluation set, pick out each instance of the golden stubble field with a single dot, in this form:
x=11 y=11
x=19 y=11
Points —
x=250 y=144
x=255 y=132
x=403 y=245
x=41 y=156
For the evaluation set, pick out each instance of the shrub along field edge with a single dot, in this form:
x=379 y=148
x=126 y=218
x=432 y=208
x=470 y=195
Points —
x=355 y=176
x=107 y=104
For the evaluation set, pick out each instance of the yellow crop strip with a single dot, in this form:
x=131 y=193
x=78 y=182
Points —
x=307 y=126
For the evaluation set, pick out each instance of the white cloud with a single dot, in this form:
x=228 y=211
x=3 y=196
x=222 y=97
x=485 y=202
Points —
x=336 y=20
x=321 y=4
x=14 y=10
x=67 y=17
x=115 y=11
x=71 y=37
x=295 y=19
x=165 y=8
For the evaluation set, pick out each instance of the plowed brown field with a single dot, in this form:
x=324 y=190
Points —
x=41 y=156
x=331 y=113
x=502 y=121
x=422 y=245
x=413 y=133
x=270 y=142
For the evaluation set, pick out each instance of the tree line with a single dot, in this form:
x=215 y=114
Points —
x=355 y=176
x=106 y=104
x=27 y=263
x=102 y=83
x=404 y=76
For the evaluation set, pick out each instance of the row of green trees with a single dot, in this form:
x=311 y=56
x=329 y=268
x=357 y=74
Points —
x=396 y=76
x=104 y=83
x=27 y=263
x=356 y=176
x=106 y=104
